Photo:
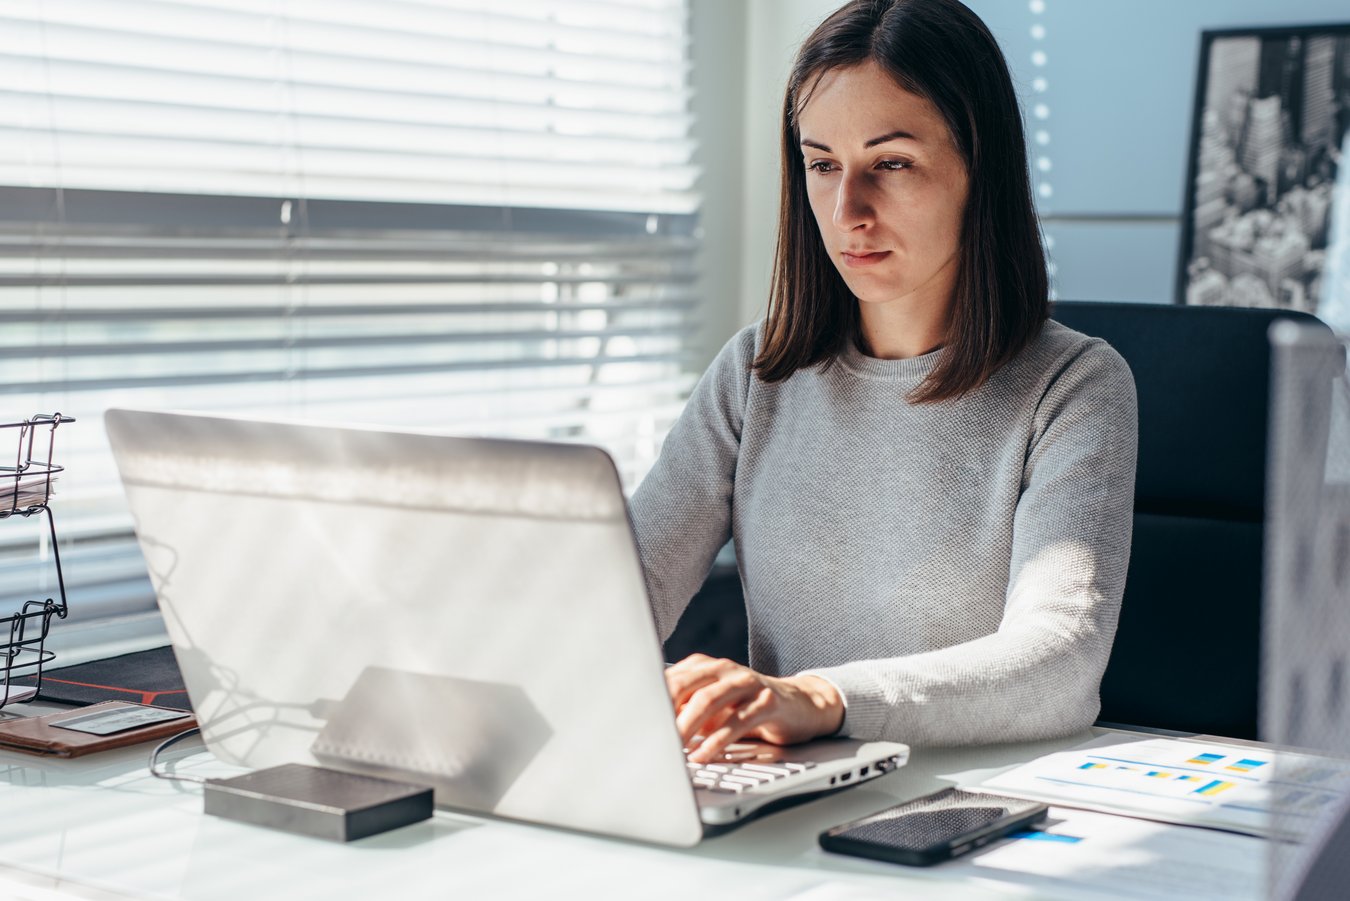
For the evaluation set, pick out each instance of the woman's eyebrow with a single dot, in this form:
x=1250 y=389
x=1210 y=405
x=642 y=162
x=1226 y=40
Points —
x=898 y=135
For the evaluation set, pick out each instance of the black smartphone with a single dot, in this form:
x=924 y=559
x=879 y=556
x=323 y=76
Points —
x=933 y=828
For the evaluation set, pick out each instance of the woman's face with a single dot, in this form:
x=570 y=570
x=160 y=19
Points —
x=887 y=186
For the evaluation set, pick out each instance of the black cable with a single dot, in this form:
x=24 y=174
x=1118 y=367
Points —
x=164 y=746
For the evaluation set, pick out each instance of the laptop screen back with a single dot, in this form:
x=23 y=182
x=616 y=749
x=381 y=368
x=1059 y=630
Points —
x=478 y=597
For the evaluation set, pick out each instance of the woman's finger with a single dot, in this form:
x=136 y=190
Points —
x=712 y=723
x=692 y=674
x=691 y=660
x=683 y=689
x=709 y=702
x=738 y=724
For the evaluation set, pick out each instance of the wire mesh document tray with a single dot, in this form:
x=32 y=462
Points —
x=26 y=490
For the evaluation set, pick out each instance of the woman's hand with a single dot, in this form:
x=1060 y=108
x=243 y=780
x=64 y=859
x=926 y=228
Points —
x=725 y=702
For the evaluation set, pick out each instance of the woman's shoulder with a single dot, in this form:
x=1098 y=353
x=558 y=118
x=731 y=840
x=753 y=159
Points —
x=1065 y=367
x=1059 y=349
x=728 y=377
x=746 y=341
x=739 y=353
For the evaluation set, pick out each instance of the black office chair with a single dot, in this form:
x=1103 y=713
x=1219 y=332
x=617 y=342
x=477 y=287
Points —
x=715 y=621
x=1187 y=653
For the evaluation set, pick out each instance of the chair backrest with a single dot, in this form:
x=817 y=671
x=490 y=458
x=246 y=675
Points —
x=1187 y=652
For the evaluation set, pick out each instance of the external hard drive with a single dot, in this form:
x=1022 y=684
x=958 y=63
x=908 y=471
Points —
x=320 y=802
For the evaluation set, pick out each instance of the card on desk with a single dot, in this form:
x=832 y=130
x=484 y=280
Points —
x=46 y=735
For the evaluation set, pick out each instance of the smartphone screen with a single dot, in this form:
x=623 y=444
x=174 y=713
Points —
x=938 y=827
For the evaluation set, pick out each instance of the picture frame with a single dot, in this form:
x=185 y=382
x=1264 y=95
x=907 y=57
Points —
x=1266 y=215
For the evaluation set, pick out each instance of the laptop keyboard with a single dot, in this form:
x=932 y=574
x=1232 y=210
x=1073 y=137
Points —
x=735 y=778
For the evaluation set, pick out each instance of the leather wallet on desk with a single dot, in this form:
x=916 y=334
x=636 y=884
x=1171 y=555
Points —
x=37 y=735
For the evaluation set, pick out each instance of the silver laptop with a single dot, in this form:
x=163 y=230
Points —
x=465 y=613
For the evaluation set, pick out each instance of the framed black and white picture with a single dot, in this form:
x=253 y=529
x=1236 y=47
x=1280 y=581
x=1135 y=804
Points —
x=1267 y=204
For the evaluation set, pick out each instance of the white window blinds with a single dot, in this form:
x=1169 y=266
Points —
x=461 y=215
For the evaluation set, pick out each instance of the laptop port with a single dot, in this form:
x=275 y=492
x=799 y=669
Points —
x=864 y=771
x=833 y=780
x=845 y=777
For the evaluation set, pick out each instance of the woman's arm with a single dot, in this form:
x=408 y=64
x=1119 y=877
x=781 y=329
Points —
x=1039 y=675
x=681 y=512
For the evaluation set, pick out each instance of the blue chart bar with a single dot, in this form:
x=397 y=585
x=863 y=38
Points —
x=1047 y=837
x=1245 y=765
x=1213 y=788
x=1205 y=759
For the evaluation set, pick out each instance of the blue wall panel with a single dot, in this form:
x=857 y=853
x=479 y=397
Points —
x=1113 y=260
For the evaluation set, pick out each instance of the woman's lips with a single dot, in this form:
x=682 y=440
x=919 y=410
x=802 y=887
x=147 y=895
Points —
x=862 y=260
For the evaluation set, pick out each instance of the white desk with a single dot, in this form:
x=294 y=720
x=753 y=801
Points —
x=101 y=827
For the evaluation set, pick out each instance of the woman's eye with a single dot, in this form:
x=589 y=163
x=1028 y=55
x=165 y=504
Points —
x=824 y=166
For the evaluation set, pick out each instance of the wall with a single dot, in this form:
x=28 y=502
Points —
x=1119 y=83
x=719 y=39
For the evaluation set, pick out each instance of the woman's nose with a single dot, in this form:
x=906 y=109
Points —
x=853 y=205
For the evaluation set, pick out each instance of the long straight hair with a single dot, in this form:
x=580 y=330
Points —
x=941 y=51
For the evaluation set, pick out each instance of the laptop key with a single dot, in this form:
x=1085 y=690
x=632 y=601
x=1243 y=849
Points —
x=776 y=772
x=734 y=788
x=715 y=767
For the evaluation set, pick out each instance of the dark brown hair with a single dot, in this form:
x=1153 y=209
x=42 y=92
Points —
x=939 y=50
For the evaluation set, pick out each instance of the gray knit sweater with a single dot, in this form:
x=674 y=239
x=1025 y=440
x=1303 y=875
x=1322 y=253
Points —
x=954 y=569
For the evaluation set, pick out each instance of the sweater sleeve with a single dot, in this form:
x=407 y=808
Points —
x=681 y=512
x=1039 y=675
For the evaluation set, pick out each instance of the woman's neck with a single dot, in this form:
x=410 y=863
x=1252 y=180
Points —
x=902 y=328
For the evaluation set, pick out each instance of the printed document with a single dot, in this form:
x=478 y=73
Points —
x=24 y=491
x=1079 y=855
x=1257 y=791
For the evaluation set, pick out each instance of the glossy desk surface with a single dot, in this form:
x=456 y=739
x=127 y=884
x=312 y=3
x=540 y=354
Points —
x=101 y=827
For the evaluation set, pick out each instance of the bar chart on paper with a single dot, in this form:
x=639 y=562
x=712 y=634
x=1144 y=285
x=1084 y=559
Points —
x=1165 y=782
x=1194 y=783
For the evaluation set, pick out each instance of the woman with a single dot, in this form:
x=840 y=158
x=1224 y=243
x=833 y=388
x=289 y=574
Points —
x=928 y=482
